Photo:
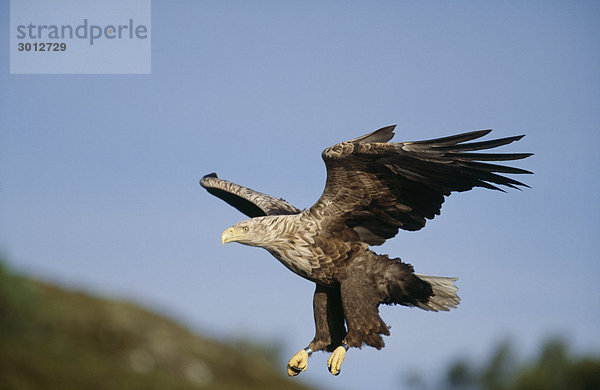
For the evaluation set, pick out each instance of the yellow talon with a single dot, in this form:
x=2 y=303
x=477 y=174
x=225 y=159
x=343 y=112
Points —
x=334 y=363
x=298 y=363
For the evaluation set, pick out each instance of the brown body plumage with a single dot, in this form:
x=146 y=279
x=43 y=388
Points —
x=373 y=189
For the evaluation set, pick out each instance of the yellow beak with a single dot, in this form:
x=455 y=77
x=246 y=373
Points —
x=228 y=236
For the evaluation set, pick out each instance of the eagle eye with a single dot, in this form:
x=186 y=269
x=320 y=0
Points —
x=245 y=228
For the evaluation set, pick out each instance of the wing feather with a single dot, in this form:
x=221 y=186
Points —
x=453 y=139
x=377 y=188
x=480 y=145
x=250 y=202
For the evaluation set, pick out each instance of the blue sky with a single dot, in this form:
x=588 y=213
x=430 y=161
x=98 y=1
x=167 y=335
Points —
x=99 y=173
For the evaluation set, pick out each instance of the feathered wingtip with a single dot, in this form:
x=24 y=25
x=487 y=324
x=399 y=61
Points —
x=203 y=179
x=453 y=139
x=458 y=150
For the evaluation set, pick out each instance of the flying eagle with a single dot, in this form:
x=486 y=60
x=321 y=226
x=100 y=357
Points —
x=373 y=189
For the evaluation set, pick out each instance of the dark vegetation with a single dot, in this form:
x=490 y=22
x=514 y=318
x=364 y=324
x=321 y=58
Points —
x=553 y=368
x=51 y=338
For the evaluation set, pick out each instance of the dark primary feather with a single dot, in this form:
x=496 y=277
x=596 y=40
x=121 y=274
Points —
x=454 y=139
x=250 y=202
x=479 y=145
x=377 y=188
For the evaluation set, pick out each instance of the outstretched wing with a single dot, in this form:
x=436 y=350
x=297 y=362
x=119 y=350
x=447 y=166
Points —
x=250 y=202
x=377 y=188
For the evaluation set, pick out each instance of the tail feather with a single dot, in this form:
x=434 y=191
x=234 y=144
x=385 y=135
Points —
x=444 y=293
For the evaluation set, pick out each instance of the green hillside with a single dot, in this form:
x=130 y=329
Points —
x=51 y=338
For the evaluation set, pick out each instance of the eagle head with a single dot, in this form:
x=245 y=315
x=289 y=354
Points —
x=251 y=232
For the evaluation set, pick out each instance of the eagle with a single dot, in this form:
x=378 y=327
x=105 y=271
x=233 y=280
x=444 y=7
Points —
x=373 y=189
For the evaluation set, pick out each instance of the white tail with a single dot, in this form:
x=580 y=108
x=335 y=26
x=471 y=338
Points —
x=444 y=293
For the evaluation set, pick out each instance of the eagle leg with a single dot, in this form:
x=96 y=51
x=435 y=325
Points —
x=360 y=301
x=329 y=319
x=329 y=327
